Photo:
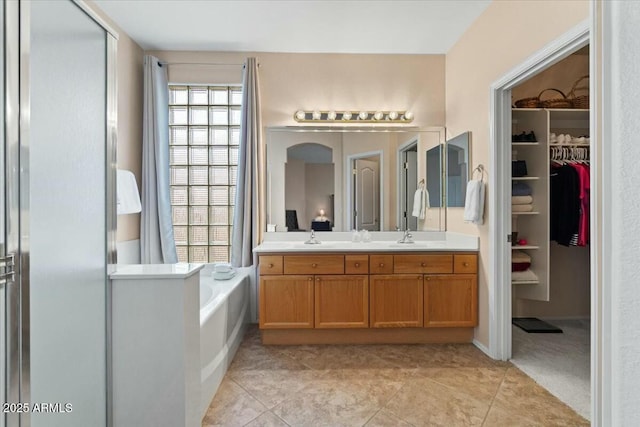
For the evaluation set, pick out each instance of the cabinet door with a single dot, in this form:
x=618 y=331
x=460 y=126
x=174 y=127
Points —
x=286 y=302
x=342 y=302
x=451 y=300
x=396 y=301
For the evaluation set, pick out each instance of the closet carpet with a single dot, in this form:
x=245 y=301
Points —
x=379 y=385
x=558 y=362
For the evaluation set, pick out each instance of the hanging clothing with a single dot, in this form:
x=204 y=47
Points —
x=584 y=194
x=565 y=204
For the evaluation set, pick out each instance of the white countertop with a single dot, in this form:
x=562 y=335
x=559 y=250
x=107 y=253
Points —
x=424 y=242
x=155 y=271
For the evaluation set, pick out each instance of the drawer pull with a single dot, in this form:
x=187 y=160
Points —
x=423 y=264
x=311 y=278
x=270 y=265
x=357 y=264
x=427 y=278
x=314 y=265
x=465 y=264
x=381 y=264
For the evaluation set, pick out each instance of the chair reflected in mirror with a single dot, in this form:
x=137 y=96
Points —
x=291 y=220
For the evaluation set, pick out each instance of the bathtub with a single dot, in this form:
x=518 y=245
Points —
x=224 y=315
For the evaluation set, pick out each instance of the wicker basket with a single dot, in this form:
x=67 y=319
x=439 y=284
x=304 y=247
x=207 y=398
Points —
x=555 y=102
x=532 y=102
x=579 y=101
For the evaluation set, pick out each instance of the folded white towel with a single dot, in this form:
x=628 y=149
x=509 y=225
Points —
x=420 y=203
x=521 y=200
x=222 y=267
x=522 y=208
x=474 y=202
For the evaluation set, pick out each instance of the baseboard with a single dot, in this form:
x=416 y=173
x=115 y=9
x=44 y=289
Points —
x=482 y=348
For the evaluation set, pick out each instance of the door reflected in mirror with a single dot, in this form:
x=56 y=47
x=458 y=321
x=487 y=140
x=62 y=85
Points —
x=332 y=179
x=458 y=169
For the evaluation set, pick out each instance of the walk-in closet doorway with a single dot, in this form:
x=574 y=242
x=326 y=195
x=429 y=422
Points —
x=500 y=175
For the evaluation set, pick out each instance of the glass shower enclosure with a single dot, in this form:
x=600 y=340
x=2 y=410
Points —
x=59 y=209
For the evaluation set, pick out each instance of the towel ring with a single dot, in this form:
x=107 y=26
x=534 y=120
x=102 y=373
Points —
x=479 y=168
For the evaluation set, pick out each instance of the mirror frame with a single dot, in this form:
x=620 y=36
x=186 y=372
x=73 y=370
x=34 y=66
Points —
x=451 y=141
x=268 y=169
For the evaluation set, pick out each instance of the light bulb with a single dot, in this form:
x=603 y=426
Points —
x=363 y=115
x=408 y=115
x=393 y=115
x=346 y=115
x=331 y=115
x=316 y=115
x=321 y=212
x=300 y=115
x=378 y=115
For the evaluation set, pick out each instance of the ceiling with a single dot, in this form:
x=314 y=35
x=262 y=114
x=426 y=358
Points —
x=313 y=26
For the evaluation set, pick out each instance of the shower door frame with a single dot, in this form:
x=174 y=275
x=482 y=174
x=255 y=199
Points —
x=17 y=133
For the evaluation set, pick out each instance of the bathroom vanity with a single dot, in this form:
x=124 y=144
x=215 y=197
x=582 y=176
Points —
x=382 y=292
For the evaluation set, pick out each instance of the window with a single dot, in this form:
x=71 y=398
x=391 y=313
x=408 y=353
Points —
x=204 y=136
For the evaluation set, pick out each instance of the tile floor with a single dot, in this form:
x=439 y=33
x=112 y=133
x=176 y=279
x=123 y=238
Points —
x=379 y=385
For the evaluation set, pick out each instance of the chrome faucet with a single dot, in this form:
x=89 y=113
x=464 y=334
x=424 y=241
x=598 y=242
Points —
x=313 y=240
x=407 y=237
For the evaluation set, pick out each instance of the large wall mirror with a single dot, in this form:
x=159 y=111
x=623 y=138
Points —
x=330 y=179
x=458 y=169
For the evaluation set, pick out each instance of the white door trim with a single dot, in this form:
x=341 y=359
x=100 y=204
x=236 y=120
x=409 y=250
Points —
x=500 y=222
x=410 y=143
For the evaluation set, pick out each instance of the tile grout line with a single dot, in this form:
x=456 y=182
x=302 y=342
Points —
x=494 y=396
x=404 y=383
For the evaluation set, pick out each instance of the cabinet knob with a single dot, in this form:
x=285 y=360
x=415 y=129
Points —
x=427 y=278
x=423 y=264
x=311 y=278
x=270 y=265
x=357 y=264
x=314 y=265
x=382 y=264
x=465 y=264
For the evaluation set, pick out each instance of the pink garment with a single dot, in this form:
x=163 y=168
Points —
x=585 y=187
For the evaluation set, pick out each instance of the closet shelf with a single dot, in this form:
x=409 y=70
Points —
x=526 y=277
x=524 y=143
x=525 y=213
x=525 y=178
x=515 y=248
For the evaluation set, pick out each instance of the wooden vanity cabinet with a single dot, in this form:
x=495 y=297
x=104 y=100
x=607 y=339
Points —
x=396 y=301
x=450 y=300
x=342 y=301
x=286 y=302
x=375 y=297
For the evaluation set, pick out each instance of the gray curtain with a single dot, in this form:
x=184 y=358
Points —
x=247 y=218
x=157 y=245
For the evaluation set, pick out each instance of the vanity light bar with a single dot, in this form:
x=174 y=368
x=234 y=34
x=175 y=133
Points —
x=316 y=116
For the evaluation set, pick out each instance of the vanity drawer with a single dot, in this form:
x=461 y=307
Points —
x=356 y=264
x=427 y=264
x=270 y=264
x=314 y=264
x=465 y=264
x=381 y=264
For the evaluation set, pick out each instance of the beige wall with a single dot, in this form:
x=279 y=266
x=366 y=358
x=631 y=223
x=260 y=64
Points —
x=289 y=82
x=319 y=188
x=499 y=40
x=130 y=89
